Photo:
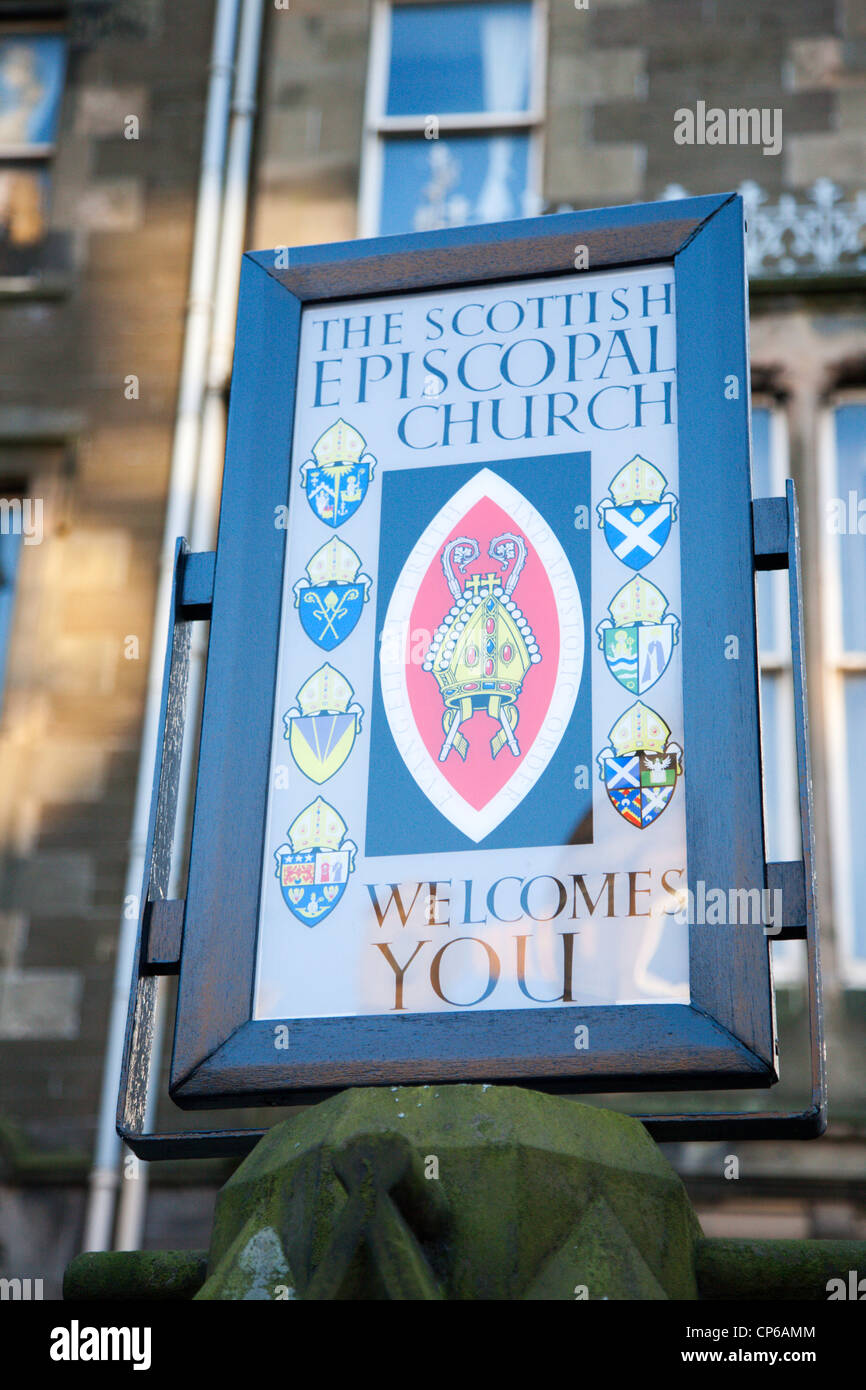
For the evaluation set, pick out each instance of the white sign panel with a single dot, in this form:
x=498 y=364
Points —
x=477 y=786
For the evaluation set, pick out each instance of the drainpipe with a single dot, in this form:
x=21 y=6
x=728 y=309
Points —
x=202 y=532
x=104 y=1175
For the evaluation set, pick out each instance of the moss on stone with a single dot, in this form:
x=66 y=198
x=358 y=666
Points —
x=536 y=1195
x=134 y=1274
x=775 y=1269
x=462 y=1192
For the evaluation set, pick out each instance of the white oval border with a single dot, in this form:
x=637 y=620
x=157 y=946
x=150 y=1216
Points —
x=475 y=824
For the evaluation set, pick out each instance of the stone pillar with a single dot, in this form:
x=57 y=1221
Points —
x=462 y=1192
x=456 y=1192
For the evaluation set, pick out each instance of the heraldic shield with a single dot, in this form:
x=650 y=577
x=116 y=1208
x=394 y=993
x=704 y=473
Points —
x=336 y=478
x=637 y=521
x=639 y=637
x=314 y=867
x=640 y=769
x=493 y=673
x=331 y=598
x=322 y=727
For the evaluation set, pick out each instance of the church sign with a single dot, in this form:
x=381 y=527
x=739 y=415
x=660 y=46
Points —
x=479 y=790
x=473 y=786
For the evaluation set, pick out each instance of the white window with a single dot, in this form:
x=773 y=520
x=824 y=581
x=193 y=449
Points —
x=455 y=99
x=843 y=460
x=778 y=745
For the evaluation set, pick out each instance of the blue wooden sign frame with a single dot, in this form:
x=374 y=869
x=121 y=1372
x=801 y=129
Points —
x=726 y=1036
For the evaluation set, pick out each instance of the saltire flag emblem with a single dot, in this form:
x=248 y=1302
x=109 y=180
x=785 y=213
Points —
x=639 y=637
x=314 y=865
x=640 y=767
x=495 y=673
x=637 y=517
x=337 y=476
x=321 y=729
x=331 y=598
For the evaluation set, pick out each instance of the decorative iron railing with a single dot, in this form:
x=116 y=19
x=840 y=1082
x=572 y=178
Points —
x=823 y=233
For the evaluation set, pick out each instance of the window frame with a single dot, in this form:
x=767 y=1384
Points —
x=43 y=152
x=837 y=665
x=378 y=125
x=22 y=265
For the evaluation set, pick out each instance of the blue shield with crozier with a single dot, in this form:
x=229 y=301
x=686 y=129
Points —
x=331 y=596
x=329 y=612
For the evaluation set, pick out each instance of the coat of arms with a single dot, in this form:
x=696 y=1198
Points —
x=314 y=866
x=478 y=709
x=322 y=727
x=640 y=769
x=331 y=598
x=637 y=521
x=639 y=636
x=484 y=646
x=337 y=476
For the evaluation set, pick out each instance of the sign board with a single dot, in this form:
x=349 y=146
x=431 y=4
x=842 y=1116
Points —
x=473 y=791
x=479 y=789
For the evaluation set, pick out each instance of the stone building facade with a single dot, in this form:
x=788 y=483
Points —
x=97 y=300
x=103 y=301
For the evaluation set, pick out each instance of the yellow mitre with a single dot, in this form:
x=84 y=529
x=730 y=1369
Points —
x=319 y=826
x=326 y=692
x=334 y=563
x=341 y=443
x=639 y=601
x=637 y=481
x=639 y=730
